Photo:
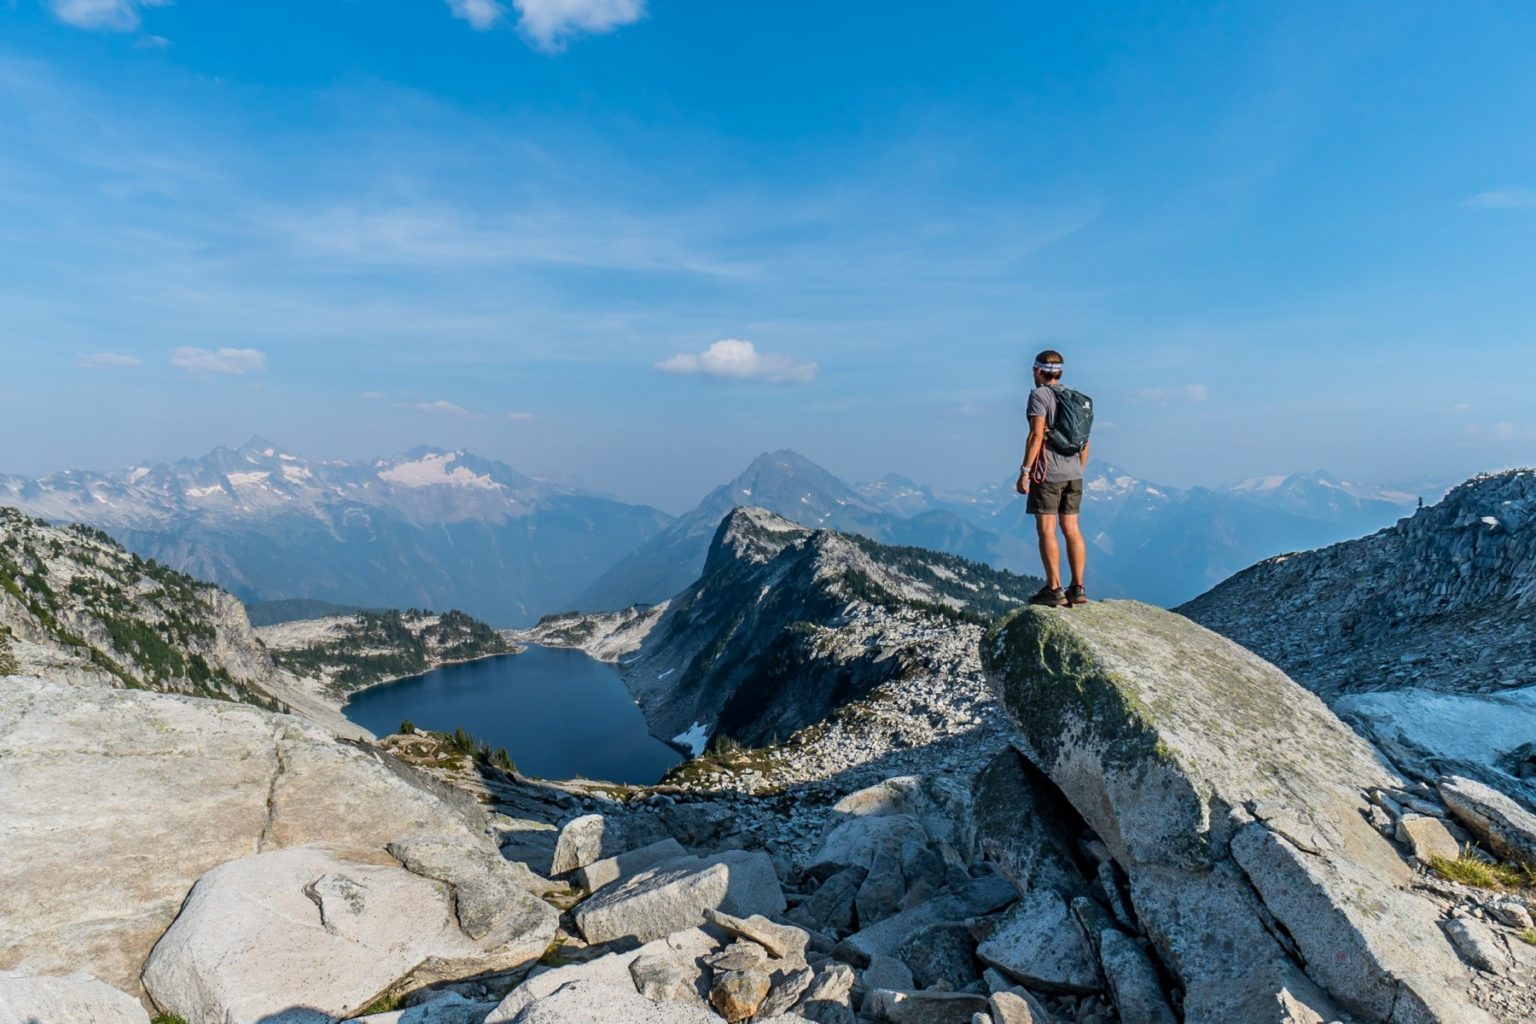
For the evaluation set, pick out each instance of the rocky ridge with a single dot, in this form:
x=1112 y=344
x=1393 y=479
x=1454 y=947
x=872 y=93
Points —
x=1440 y=601
x=350 y=652
x=75 y=606
x=787 y=624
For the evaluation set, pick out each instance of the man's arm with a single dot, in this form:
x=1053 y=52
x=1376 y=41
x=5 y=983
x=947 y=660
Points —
x=1083 y=455
x=1031 y=452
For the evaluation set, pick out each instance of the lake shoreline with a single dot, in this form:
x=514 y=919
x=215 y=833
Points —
x=558 y=713
x=521 y=648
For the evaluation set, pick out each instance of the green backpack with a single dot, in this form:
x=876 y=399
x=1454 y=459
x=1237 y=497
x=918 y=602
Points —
x=1072 y=424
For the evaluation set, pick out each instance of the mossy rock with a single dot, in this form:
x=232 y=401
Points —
x=1160 y=731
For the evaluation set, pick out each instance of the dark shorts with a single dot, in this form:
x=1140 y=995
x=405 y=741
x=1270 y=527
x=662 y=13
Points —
x=1055 y=498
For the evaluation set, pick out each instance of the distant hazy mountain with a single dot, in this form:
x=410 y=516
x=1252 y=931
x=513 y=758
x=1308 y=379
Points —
x=429 y=529
x=790 y=485
x=1164 y=544
x=1327 y=498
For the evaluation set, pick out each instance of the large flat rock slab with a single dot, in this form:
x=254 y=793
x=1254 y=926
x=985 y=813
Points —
x=1227 y=793
x=113 y=802
x=302 y=935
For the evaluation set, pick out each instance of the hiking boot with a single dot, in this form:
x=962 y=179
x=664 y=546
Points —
x=1076 y=594
x=1050 y=597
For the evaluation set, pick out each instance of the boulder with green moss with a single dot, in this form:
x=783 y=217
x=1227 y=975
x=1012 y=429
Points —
x=1235 y=801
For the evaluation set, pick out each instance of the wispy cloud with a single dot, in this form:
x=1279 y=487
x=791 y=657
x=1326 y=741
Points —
x=1505 y=199
x=482 y=15
x=734 y=359
x=99 y=359
x=1190 y=393
x=105 y=15
x=441 y=407
x=550 y=24
x=220 y=360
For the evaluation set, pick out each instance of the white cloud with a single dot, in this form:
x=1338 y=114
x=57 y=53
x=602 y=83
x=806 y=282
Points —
x=372 y=396
x=108 y=15
x=1196 y=392
x=442 y=407
x=110 y=359
x=1505 y=199
x=223 y=360
x=732 y=359
x=550 y=24
x=520 y=417
x=482 y=15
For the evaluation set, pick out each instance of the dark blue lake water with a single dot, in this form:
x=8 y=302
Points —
x=560 y=714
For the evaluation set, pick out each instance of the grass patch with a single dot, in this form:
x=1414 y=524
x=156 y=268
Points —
x=383 y=1004
x=167 y=1018
x=1469 y=870
x=1527 y=936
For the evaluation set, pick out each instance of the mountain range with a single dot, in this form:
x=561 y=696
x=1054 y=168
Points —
x=442 y=529
x=1149 y=541
x=426 y=529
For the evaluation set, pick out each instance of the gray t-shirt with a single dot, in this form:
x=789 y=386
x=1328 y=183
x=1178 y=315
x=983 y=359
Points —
x=1042 y=402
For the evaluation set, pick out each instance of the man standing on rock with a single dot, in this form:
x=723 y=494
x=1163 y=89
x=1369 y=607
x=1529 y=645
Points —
x=1060 y=420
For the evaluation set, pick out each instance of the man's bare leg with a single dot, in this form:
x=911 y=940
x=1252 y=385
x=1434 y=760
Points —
x=1077 y=551
x=1050 y=557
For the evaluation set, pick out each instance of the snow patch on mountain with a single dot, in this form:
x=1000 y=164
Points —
x=436 y=470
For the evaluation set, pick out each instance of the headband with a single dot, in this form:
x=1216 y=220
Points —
x=1053 y=367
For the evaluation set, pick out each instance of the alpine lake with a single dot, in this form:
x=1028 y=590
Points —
x=559 y=713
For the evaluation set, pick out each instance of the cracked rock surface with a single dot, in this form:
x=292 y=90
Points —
x=116 y=801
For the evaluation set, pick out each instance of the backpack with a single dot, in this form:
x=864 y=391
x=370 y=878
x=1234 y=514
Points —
x=1073 y=422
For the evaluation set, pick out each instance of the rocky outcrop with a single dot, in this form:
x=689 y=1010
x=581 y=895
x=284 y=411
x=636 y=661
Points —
x=76 y=608
x=1236 y=805
x=1443 y=600
x=160 y=789
x=304 y=935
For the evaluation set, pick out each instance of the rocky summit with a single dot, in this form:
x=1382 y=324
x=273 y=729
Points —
x=912 y=800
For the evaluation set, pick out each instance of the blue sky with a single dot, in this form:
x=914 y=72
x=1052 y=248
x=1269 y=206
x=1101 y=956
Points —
x=1268 y=237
